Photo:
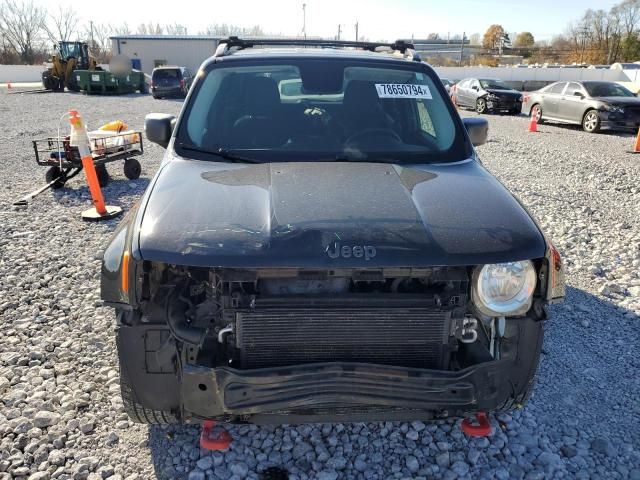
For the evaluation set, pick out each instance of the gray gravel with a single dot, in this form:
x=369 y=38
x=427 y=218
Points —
x=61 y=415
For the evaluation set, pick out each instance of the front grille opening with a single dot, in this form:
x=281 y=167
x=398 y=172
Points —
x=252 y=319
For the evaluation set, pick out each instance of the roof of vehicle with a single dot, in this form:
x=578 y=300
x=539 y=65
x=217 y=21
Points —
x=167 y=67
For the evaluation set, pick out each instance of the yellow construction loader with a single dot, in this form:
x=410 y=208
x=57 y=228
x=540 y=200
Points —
x=68 y=57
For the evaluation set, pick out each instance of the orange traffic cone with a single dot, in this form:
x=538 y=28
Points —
x=100 y=211
x=636 y=147
x=533 y=123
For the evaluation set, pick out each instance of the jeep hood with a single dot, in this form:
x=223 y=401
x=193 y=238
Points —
x=294 y=214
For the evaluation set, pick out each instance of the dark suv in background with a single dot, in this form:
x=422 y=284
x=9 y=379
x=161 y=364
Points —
x=170 y=81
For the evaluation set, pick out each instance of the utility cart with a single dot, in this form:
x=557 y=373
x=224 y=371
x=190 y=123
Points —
x=64 y=162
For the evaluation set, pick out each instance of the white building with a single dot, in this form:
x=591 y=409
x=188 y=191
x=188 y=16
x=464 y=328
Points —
x=150 y=51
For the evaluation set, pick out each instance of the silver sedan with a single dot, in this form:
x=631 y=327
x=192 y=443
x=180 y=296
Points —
x=594 y=105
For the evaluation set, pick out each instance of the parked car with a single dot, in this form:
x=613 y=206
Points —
x=594 y=105
x=170 y=81
x=488 y=95
x=306 y=258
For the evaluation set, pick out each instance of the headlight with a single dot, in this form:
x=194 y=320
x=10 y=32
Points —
x=504 y=289
x=613 y=109
x=491 y=96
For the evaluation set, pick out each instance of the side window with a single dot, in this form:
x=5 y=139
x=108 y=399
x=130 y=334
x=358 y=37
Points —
x=475 y=83
x=572 y=88
x=557 y=88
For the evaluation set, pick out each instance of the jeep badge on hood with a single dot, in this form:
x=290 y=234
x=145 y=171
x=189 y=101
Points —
x=347 y=251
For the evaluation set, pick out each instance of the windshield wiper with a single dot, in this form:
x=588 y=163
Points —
x=220 y=152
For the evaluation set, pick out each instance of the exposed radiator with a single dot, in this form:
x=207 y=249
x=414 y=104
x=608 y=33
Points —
x=410 y=337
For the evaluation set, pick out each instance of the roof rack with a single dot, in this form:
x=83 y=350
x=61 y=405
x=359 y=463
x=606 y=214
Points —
x=236 y=43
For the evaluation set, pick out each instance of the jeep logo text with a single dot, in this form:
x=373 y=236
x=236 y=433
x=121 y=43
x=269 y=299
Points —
x=356 y=251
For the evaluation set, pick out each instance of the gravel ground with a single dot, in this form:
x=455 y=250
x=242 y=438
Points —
x=60 y=411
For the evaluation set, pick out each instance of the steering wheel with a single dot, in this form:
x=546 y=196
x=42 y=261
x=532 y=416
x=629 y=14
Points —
x=381 y=132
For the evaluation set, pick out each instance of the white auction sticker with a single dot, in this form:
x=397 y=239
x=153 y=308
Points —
x=403 y=90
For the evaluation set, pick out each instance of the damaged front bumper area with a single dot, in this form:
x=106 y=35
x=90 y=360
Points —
x=336 y=391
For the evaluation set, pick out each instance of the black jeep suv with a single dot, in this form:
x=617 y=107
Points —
x=321 y=243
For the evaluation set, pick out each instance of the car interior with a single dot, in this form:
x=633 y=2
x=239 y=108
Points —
x=249 y=111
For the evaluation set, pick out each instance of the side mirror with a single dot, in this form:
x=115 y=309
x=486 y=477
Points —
x=158 y=128
x=478 y=130
x=475 y=87
x=578 y=94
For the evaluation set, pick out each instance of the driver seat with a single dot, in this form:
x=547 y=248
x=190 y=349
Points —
x=362 y=108
x=261 y=125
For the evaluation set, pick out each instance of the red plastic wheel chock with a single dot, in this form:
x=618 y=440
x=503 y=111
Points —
x=214 y=441
x=482 y=429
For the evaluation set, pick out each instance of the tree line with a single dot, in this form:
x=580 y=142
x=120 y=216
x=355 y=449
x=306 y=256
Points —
x=29 y=30
x=599 y=37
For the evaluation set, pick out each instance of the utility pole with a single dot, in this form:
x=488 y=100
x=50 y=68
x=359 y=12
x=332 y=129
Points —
x=357 y=37
x=339 y=30
x=462 y=48
x=91 y=24
x=583 y=32
x=304 y=20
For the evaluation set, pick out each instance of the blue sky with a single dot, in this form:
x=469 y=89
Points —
x=378 y=19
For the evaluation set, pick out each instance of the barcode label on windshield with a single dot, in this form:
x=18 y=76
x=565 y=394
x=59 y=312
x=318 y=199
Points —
x=402 y=90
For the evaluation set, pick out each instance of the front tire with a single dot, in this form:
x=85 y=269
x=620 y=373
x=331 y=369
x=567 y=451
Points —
x=136 y=411
x=132 y=168
x=103 y=175
x=54 y=173
x=591 y=122
x=137 y=385
x=536 y=111
x=481 y=105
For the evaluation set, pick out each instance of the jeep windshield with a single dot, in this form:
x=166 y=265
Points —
x=302 y=109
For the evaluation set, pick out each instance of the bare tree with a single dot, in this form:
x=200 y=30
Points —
x=62 y=25
x=627 y=15
x=22 y=24
x=150 y=29
x=224 y=30
x=175 y=29
x=122 y=29
x=101 y=43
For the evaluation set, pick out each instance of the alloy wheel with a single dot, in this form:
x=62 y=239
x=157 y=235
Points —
x=591 y=121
